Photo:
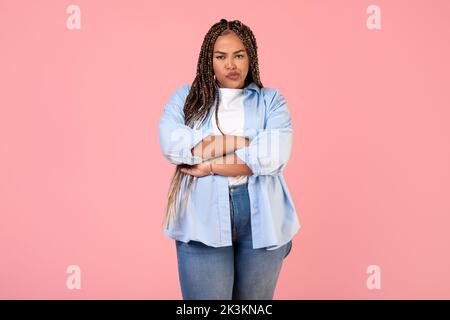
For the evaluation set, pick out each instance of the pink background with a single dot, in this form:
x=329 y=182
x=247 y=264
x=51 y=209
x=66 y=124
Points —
x=83 y=182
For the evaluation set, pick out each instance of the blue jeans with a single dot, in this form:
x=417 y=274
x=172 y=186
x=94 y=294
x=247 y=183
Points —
x=236 y=272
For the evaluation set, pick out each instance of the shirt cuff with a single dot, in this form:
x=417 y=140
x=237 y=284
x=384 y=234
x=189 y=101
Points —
x=248 y=157
x=197 y=135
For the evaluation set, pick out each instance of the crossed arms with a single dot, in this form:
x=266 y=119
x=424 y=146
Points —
x=220 y=149
x=266 y=153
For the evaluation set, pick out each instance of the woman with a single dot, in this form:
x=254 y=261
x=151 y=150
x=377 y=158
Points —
x=231 y=139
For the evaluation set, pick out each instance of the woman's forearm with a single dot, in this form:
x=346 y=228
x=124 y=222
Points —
x=230 y=165
x=218 y=145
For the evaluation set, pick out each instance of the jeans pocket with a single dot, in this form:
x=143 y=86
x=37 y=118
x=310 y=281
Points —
x=289 y=244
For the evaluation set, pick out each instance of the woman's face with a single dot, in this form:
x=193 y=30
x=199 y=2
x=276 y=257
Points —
x=230 y=61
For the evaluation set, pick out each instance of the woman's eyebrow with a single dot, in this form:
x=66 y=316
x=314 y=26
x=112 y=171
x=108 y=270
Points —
x=226 y=53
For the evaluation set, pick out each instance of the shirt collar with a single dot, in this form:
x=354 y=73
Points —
x=253 y=86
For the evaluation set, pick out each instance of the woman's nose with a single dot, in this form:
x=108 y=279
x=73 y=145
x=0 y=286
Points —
x=230 y=63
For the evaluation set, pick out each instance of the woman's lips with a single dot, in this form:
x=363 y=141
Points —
x=233 y=76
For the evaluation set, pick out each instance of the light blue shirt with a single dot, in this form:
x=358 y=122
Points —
x=207 y=218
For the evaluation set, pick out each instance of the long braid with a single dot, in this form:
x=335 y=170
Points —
x=204 y=92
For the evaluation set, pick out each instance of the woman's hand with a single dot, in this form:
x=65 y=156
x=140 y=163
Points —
x=198 y=170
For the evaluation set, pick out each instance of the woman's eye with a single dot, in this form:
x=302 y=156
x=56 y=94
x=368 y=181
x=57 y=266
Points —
x=239 y=55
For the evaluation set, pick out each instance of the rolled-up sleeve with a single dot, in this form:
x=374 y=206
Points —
x=269 y=151
x=176 y=139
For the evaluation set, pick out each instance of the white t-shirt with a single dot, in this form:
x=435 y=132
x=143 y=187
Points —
x=231 y=120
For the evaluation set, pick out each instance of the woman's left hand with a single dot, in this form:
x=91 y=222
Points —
x=198 y=170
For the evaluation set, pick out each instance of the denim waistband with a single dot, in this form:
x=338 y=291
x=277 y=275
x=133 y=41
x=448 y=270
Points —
x=243 y=187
